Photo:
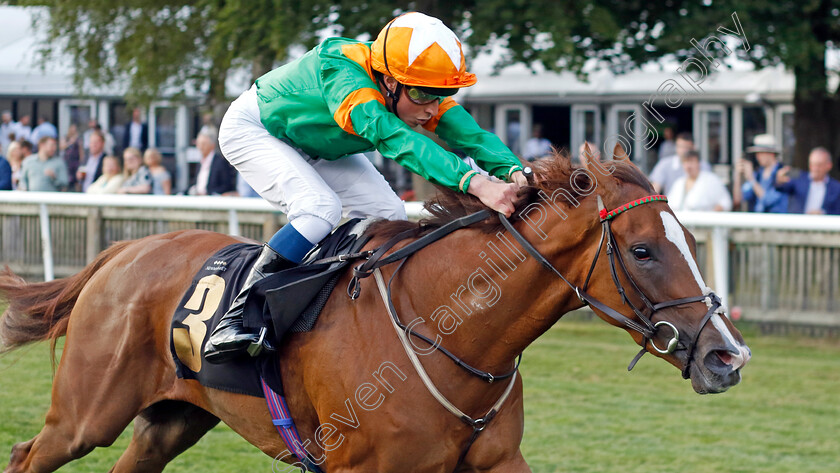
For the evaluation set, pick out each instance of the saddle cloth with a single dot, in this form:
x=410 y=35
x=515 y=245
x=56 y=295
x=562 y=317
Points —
x=288 y=301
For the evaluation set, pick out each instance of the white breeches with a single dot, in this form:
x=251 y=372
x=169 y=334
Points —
x=314 y=194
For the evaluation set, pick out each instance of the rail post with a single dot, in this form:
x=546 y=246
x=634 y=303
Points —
x=720 y=258
x=46 y=243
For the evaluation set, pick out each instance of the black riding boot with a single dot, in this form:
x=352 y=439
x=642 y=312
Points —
x=231 y=338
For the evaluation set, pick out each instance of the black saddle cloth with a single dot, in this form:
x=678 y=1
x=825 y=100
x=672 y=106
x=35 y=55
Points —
x=213 y=289
x=290 y=300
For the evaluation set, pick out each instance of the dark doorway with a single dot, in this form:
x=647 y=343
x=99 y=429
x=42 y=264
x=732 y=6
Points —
x=556 y=124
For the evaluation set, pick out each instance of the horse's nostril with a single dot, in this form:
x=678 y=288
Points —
x=724 y=356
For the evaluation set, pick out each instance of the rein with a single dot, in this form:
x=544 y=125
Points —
x=646 y=327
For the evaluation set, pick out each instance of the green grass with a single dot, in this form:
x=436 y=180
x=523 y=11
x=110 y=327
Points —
x=584 y=412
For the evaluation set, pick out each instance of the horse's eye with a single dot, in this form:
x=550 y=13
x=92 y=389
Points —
x=641 y=253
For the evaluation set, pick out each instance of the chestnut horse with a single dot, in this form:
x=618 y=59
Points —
x=358 y=401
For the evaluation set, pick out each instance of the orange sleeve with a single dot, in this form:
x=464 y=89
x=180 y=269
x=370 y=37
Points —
x=357 y=97
x=444 y=106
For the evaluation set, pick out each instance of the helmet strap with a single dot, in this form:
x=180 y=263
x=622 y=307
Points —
x=395 y=95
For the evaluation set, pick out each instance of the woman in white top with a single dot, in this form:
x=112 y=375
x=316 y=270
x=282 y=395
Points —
x=110 y=180
x=697 y=189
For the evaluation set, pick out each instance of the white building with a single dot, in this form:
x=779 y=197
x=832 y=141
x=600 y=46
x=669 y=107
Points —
x=731 y=107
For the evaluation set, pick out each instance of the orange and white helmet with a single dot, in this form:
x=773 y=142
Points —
x=419 y=50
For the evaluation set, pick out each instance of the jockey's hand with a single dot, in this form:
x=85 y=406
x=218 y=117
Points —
x=499 y=196
x=519 y=179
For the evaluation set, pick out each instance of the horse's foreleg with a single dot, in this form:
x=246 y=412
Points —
x=20 y=452
x=56 y=444
x=514 y=465
x=162 y=432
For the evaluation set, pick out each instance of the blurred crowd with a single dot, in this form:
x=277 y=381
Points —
x=760 y=182
x=37 y=159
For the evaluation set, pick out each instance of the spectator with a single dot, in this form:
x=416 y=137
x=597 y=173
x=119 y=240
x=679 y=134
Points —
x=668 y=147
x=514 y=129
x=697 y=189
x=72 y=151
x=208 y=127
x=23 y=128
x=215 y=175
x=669 y=168
x=44 y=128
x=813 y=193
x=7 y=127
x=137 y=177
x=92 y=168
x=536 y=147
x=110 y=180
x=25 y=149
x=91 y=127
x=5 y=174
x=108 y=139
x=14 y=155
x=44 y=172
x=136 y=134
x=243 y=188
x=161 y=179
x=758 y=190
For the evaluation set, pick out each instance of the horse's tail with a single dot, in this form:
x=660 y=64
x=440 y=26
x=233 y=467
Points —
x=40 y=311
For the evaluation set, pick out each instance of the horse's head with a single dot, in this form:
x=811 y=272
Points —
x=644 y=277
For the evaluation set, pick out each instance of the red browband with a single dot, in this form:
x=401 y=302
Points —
x=608 y=214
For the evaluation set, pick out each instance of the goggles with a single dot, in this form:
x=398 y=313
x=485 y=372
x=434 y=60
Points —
x=420 y=97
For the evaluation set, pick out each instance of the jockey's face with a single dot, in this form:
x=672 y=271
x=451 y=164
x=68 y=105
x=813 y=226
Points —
x=409 y=112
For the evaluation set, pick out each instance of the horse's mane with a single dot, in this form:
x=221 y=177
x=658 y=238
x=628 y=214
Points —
x=551 y=174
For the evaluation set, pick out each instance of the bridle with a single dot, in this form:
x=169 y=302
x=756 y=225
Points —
x=645 y=326
x=644 y=323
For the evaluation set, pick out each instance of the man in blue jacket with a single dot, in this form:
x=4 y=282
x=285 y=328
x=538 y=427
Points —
x=814 y=192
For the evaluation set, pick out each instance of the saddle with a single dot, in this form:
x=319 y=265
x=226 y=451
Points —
x=287 y=301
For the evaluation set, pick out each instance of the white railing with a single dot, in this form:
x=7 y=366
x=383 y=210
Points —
x=717 y=225
x=721 y=223
x=232 y=205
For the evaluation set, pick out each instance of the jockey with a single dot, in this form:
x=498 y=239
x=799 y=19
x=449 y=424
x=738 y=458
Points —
x=296 y=134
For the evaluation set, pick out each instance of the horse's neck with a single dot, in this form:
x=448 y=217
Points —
x=486 y=296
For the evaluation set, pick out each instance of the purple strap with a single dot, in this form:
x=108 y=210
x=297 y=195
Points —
x=282 y=420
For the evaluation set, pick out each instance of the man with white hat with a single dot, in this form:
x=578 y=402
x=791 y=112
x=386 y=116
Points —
x=759 y=189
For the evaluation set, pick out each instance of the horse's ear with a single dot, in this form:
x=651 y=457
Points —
x=588 y=156
x=619 y=153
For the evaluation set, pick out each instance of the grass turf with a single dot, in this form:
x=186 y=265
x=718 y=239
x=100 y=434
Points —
x=584 y=412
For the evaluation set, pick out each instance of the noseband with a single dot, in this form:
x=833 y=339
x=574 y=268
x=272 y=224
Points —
x=643 y=323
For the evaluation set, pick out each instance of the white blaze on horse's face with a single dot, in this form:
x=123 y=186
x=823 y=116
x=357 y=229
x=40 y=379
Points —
x=674 y=234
